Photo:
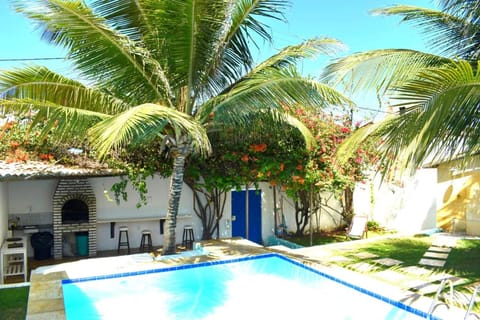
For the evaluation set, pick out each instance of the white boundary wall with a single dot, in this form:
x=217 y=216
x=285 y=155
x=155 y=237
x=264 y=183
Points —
x=407 y=208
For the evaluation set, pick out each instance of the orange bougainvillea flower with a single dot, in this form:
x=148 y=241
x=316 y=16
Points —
x=14 y=144
x=299 y=167
x=282 y=166
x=273 y=183
x=244 y=158
x=261 y=147
x=298 y=179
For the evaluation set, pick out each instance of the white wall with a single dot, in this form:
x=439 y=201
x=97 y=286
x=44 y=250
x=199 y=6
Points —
x=30 y=196
x=407 y=206
x=327 y=219
x=156 y=208
x=3 y=212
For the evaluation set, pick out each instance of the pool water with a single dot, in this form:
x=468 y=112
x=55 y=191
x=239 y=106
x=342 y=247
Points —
x=265 y=287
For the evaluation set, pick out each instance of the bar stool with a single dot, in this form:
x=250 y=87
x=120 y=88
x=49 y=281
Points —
x=146 y=241
x=123 y=231
x=188 y=237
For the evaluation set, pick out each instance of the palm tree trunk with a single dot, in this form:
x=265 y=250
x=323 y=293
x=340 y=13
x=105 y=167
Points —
x=176 y=184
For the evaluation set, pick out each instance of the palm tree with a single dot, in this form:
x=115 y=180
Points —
x=156 y=70
x=437 y=95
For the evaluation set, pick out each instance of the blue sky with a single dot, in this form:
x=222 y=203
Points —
x=346 y=20
x=349 y=21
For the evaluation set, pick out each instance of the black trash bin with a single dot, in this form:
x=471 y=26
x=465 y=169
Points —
x=42 y=245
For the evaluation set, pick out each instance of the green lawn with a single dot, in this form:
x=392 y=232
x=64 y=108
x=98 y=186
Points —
x=13 y=303
x=326 y=238
x=463 y=261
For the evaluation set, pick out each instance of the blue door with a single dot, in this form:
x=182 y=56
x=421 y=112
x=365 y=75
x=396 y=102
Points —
x=250 y=228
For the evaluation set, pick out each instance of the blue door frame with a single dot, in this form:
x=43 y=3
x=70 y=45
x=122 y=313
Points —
x=252 y=231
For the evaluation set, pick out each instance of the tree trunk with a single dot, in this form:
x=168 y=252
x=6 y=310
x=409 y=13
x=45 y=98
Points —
x=176 y=184
x=348 y=204
x=302 y=210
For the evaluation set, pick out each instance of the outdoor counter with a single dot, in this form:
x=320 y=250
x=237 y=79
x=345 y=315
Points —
x=161 y=220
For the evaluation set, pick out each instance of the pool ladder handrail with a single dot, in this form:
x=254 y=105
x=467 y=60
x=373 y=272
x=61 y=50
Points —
x=471 y=304
x=435 y=301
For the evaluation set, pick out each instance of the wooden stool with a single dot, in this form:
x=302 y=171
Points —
x=123 y=230
x=188 y=237
x=146 y=242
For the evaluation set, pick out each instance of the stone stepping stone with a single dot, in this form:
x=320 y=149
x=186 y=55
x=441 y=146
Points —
x=431 y=254
x=432 y=262
x=365 y=255
x=388 y=262
x=440 y=249
x=362 y=267
x=445 y=242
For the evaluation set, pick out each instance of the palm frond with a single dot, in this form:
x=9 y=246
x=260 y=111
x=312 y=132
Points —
x=182 y=34
x=448 y=101
x=466 y=9
x=125 y=16
x=57 y=120
x=231 y=56
x=246 y=21
x=145 y=123
x=440 y=123
x=270 y=89
x=100 y=53
x=449 y=34
x=350 y=145
x=304 y=131
x=43 y=85
x=379 y=69
x=290 y=55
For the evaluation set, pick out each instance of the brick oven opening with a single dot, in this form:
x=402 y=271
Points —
x=75 y=211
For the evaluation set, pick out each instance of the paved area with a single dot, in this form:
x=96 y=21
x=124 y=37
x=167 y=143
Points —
x=437 y=254
x=46 y=297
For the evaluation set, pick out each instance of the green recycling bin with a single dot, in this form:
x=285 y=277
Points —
x=82 y=243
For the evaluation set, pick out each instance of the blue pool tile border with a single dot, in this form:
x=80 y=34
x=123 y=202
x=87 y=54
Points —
x=395 y=303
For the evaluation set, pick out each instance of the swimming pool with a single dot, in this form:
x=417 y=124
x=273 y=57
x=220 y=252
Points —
x=263 y=287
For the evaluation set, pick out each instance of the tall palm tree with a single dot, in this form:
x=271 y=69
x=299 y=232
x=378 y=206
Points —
x=438 y=95
x=157 y=69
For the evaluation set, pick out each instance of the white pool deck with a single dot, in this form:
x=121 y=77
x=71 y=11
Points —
x=46 y=297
